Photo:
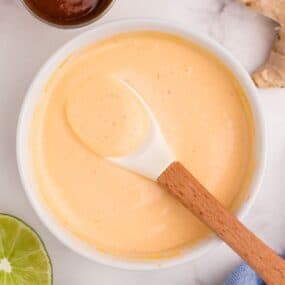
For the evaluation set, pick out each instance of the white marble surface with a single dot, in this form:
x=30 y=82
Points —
x=26 y=43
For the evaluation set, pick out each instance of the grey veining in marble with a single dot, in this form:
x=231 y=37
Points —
x=26 y=43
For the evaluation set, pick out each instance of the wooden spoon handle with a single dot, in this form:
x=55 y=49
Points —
x=179 y=182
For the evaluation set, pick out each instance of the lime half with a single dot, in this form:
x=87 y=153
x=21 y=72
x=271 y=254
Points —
x=23 y=257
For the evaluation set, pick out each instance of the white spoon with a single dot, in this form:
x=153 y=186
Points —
x=155 y=160
x=154 y=155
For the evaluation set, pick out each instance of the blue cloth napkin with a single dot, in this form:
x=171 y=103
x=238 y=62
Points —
x=244 y=275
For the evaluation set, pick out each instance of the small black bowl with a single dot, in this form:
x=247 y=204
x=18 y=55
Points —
x=100 y=10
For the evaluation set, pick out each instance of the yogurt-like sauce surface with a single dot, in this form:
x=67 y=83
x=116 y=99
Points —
x=107 y=116
x=85 y=113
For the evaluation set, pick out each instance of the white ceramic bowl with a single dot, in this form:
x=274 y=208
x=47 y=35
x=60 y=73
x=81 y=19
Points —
x=35 y=91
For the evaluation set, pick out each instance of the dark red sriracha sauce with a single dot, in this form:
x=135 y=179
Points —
x=68 y=12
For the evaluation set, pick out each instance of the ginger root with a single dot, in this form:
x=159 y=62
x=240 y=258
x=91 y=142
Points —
x=272 y=73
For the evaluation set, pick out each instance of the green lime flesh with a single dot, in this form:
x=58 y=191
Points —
x=23 y=257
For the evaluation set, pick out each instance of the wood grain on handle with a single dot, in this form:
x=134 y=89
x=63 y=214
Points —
x=179 y=182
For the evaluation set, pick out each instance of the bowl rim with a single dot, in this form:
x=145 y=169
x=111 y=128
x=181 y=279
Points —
x=79 y=42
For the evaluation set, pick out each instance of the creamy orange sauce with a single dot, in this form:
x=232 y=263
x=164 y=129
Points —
x=203 y=114
x=106 y=116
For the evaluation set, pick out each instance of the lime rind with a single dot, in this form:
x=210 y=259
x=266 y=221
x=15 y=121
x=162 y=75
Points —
x=25 y=252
